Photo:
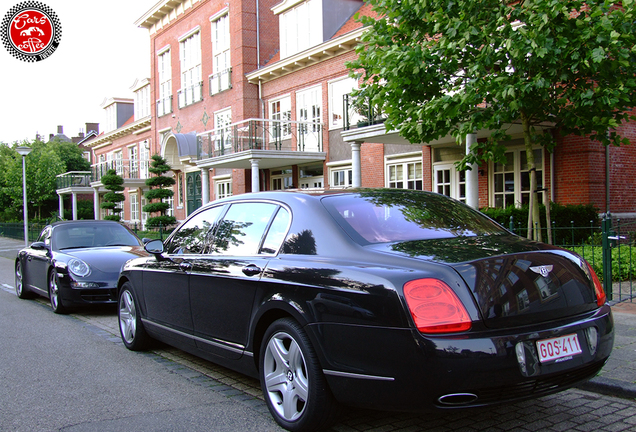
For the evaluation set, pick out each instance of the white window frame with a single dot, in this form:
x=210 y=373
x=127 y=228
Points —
x=191 y=76
x=144 y=159
x=337 y=90
x=310 y=182
x=516 y=172
x=221 y=60
x=164 y=68
x=280 y=110
x=309 y=109
x=222 y=187
x=340 y=176
x=282 y=181
x=133 y=161
x=223 y=134
x=134 y=207
x=403 y=165
x=300 y=28
x=454 y=185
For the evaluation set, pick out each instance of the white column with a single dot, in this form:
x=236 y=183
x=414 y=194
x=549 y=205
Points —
x=205 y=185
x=96 y=203
x=74 y=206
x=60 y=199
x=255 y=176
x=472 y=176
x=356 y=165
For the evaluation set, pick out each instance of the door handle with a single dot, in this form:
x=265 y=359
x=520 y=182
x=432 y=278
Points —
x=251 y=270
x=185 y=266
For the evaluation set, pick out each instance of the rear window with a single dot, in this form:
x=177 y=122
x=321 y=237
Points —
x=388 y=216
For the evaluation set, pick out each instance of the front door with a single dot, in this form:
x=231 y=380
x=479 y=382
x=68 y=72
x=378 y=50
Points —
x=193 y=190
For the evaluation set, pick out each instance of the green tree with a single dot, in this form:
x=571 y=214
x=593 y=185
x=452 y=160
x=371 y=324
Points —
x=113 y=182
x=445 y=67
x=71 y=155
x=158 y=192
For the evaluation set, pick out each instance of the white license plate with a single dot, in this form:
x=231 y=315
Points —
x=558 y=348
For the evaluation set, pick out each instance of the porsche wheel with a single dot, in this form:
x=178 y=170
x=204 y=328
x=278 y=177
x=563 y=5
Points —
x=293 y=384
x=54 y=295
x=20 y=290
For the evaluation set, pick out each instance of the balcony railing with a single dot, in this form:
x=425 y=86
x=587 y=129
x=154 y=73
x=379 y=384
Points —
x=190 y=95
x=220 y=81
x=127 y=169
x=164 y=106
x=260 y=134
x=73 y=179
x=360 y=113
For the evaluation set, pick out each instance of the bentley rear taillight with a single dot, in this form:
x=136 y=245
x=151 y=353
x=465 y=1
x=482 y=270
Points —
x=598 y=288
x=435 y=307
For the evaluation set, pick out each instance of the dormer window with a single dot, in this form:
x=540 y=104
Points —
x=300 y=27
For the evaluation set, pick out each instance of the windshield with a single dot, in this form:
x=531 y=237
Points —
x=87 y=235
x=386 y=216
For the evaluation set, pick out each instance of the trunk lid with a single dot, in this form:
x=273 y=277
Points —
x=514 y=281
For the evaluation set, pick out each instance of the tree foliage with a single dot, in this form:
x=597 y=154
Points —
x=113 y=182
x=158 y=192
x=445 y=67
x=43 y=164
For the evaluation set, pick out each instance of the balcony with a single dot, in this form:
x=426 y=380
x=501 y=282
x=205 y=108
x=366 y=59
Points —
x=275 y=143
x=220 y=81
x=164 y=106
x=360 y=113
x=134 y=172
x=189 y=95
x=73 y=179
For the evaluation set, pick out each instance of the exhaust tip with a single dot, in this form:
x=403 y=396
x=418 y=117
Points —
x=457 y=399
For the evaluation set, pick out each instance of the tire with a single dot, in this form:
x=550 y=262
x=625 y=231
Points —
x=20 y=290
x=293 y=384
x=54 y=295
x=131 y=329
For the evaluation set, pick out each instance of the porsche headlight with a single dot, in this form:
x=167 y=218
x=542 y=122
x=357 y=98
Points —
x=79 y=267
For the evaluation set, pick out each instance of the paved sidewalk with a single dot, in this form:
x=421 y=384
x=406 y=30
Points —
x=617 y=378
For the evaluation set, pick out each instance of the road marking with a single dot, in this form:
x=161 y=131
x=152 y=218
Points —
x=8 y=288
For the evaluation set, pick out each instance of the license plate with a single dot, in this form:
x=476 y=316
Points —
x=558 y=348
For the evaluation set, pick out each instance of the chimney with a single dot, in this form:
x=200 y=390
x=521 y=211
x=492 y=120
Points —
x=60 y=129
x=51 y=137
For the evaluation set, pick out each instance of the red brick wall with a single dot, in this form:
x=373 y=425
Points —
x=372 y=162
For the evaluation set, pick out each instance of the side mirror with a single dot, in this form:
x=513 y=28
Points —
x=39 y=245
x=154 y=247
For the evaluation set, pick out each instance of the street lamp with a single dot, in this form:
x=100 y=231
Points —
x=24 y=151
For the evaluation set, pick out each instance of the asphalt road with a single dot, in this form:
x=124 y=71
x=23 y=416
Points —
x=72 y=373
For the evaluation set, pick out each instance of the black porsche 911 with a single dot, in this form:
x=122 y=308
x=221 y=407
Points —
x=76 y=263
x=396 y=300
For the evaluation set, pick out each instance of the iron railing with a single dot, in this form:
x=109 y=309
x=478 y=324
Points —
x=260 y=134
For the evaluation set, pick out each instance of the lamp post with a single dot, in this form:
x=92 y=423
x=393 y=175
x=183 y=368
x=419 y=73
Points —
x=24 y=151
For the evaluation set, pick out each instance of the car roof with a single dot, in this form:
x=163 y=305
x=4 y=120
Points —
x=84 y=221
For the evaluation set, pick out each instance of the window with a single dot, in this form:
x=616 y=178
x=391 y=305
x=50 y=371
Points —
x=144 y=159
x=242 y=228
x=222 y=67
x=133 y=161
x=142 y=102
x=193 y=236
x=311 y=176
x=300 y=28
x=223 y=133
x=281 y=179
x=191 y=84
x=450 y=182
x=118 y=162
x=223 y=188
x=405 y=174
x=341 y=177
x=111 y=117
x=164 y=68
x=276 y=233
x=511 y=181
x=337 y=91
x=134 y=208
x=308 y=107
x=280 y=110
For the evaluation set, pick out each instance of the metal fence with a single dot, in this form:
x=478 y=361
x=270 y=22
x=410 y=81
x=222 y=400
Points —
x=610 y=248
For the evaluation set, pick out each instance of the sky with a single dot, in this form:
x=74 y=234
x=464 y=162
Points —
x=100 y=55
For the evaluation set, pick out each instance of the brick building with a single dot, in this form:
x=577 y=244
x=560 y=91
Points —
x=253 y=95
